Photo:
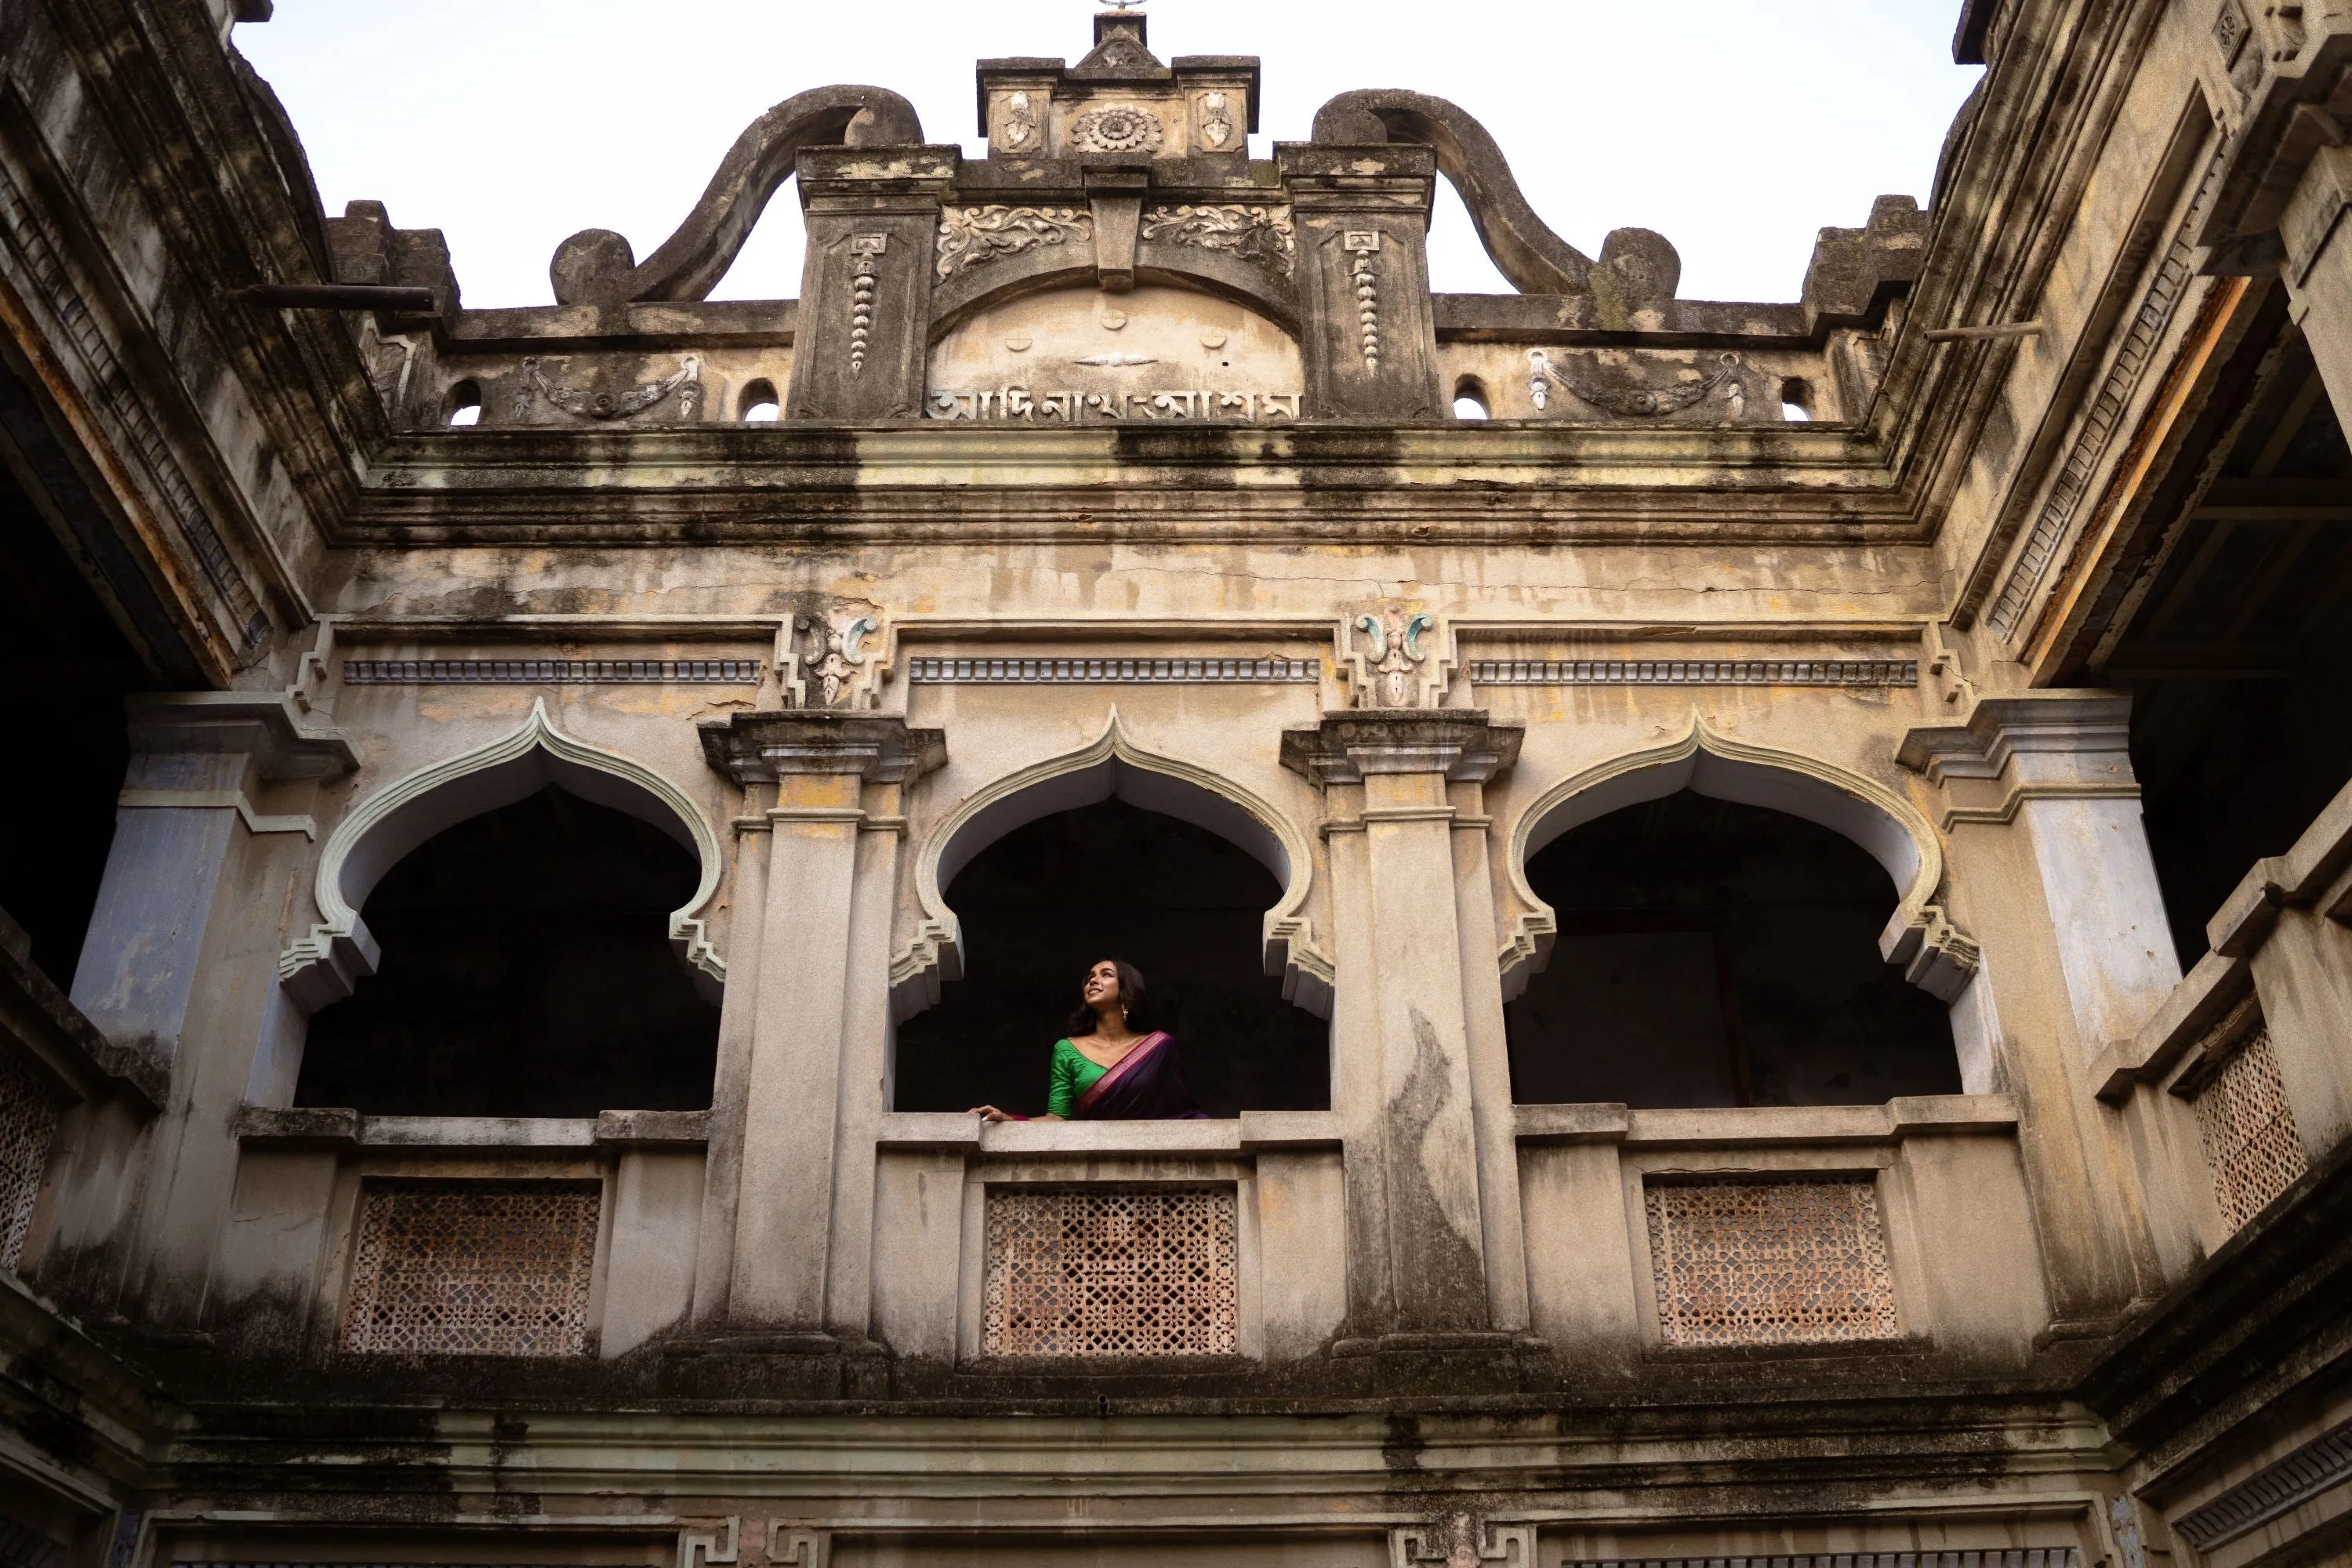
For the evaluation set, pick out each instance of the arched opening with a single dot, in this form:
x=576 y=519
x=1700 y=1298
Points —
x=1470 y=399
x=526 y=969
x=1712 y=952
x=1186 y=905
x=759 y=403
x=1796 y=401
x=464 y=404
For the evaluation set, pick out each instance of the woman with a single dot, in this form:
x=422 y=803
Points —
x=1103 y=1070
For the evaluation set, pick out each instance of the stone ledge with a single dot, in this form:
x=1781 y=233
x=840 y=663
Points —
x=339 y=1127
x=1907 y=1116
x=2206 y=993
x=910 y=1130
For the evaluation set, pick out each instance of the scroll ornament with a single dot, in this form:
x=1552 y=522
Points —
x=971 y=235
x=1256 y=234
x=833 y=662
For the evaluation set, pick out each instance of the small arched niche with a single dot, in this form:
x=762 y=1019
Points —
x=1110 y=858
x=524 y=969
x=1085 y=342
x=1728 y=932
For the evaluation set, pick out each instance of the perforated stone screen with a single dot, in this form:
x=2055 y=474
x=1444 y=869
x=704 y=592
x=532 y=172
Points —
x=1125 y=1271
x=472 y=1269
x=28 y=1125
x=2248 y=1131
x=1787 y=1262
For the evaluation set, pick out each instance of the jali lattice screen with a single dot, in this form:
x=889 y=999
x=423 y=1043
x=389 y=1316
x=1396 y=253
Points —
x=472 y=1269
x=1787 y=1262
x=28 y=1125
x=2247 y=1128
x=1121 y=1271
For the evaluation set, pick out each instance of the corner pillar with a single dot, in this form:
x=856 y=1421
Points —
x=861 y=338
x=1362 y=214
x=2317 y=230
x=792 y=1176
x=1435 y=1253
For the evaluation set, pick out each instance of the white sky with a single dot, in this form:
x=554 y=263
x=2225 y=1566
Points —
x=1736 y=128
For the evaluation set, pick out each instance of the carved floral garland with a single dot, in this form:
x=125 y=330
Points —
x=1255 y=234
x=971 y=236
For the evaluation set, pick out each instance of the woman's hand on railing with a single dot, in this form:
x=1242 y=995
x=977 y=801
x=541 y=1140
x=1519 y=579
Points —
x=991 y=1113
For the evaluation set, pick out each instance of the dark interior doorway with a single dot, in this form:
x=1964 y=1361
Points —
x=66 y=667
x=527 y=971
x=1113 y=881
x=1714 y=953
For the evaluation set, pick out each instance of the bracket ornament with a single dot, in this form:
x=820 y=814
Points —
x=1395 y=654
x=836 y=658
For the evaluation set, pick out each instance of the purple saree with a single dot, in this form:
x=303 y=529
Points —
x=1148 y=1085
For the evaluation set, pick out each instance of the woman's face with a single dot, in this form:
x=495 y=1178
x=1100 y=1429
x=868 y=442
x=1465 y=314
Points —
x=1102 y=985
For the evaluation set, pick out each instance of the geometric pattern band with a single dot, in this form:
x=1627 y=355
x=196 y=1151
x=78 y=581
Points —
x=1131 y=1271
x=2015 y=1557
x=1777 y=1262
x=551 y=671
x=1179 y=671
x=2273 y=1490
x=1695 y=672
x=472 y=1267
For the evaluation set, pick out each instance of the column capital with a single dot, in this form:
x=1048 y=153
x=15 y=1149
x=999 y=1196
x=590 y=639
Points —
x=762 y=746
x=263 y=725
x=1463 y=743
x=2041 y=735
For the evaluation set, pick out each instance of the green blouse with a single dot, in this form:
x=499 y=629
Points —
x=1069 y=1078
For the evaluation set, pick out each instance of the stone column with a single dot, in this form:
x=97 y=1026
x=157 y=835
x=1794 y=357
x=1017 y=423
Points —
x=2075 y=939
x=2318 y=232
x=797 y=1121
x=212 y=831
x=1362 y=217
x=862 y=335
x=1433 y=1182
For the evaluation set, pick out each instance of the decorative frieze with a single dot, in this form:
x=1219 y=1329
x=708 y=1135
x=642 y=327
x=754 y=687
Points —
x=28 y=1126
x=551 y=671
x=1135 y=1272
x=1769 y=1262
x=2245 y=1123
x=2271 y=1491
x=472 y=1267
x=1263 y=235
x=1173 y=672
x=2103 y=413
x=2014 y=1557
x=970 y=237
x=1869 y=672
x=1018 y=405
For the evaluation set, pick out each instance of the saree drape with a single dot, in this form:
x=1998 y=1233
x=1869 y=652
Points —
x=1148 y=1085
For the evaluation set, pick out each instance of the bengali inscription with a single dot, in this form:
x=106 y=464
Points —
x=1020 y=405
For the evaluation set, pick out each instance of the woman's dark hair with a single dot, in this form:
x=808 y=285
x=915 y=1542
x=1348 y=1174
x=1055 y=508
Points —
x=1131 y=996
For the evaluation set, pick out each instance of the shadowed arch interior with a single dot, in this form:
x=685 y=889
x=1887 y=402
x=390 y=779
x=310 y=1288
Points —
x=527 y=971
x=1711 y=954
x=1112 y=879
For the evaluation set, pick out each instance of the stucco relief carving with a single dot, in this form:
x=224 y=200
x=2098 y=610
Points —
x=970 y=236
x=1262 y=234
x=1462 y=1539
x=1017 y=129
x=1394 y=656
x=1641 y=401
x=836 y=654
x=589 y=403
x=1364 y=272
x=1218 y=132
x=1117 y=128
x=866 y=253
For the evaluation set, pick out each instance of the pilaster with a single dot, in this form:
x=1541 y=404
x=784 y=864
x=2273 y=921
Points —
x=2075 y=933
x=2318 y=269
x=789 y=1202
x=213 y=826
x=1371 y=342
x=1435 y=1249
x=861 y=331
